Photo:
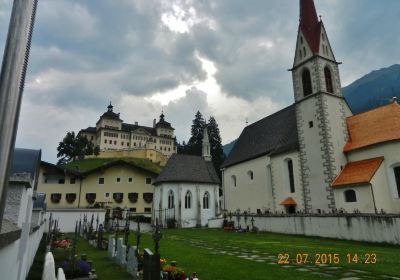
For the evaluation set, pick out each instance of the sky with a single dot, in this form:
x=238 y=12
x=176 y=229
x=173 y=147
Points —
x=225 y=58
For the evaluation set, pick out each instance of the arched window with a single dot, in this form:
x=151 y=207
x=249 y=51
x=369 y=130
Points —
x=350 y=196
x=206 y=199
x=188 y=200
x=170 y=199
x=233 y=179
x=306 y=79
x=291 y=175
x=328 y=80
x=396 y=171
x=251 y=175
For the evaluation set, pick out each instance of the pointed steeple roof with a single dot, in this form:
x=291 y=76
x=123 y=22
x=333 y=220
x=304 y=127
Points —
x=309 y=24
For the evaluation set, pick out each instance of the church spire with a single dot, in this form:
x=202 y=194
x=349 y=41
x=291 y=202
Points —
x=206 y=145
x=309 y=24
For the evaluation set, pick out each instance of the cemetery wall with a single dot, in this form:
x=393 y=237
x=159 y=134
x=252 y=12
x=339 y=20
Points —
x=358 y=227
x=68 y=217
x=17 y=257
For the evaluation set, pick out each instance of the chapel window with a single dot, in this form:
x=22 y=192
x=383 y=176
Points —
x=170 y=199
x=206 y=200
x=188 y=200
x=397 y=178
x=350 y=196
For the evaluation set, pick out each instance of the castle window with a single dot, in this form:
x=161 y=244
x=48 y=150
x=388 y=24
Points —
x=310 y=124
x=328 y=80
x=350 y=196
x=188 y=200
x=291 y=176
x=122 y=143
x=397 y=178
x=206 y=200
x=115 y=142
x=304 y=50
x=110 y=141
x=250 y=174
x=118 y=179
x=306 y=79
x=130 y=179
x=147 y=209
x=170 y=199
x=233 y=180
x=301 y=40
x=105 y=141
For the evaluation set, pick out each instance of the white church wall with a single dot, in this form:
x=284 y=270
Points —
x=254 y=194
x=364 y=202
x=281 y=185
x=385 y=188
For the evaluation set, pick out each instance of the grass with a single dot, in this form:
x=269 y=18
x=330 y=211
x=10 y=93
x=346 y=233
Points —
x=87 y=165
x=206 y=252
x=219 y=255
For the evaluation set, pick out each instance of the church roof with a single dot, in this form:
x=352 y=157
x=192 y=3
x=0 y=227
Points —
x=358 y=172
x=373 y=127
x=274 y=134
x=309 y=24
x=188 y=168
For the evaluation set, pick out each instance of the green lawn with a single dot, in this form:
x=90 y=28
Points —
x=218 y=255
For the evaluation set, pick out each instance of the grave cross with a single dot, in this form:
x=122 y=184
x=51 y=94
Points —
x=97 y=222
x=157 y=235
x=138 y=235
x=252 y=222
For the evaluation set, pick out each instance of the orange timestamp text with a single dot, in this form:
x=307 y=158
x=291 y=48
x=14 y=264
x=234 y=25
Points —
x=327 y=258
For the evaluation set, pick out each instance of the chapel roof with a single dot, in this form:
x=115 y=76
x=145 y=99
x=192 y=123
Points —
x=357 y=172
x=288 y=201
x=188 y=168
x=274 y=134
x=376 y=126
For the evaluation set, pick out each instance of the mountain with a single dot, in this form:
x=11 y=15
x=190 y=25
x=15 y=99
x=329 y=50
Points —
x=374 y=89
x=228 y=147
x=370 y=91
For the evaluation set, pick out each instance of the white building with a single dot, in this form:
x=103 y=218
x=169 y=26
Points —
x=187 y=190
x=314 y=156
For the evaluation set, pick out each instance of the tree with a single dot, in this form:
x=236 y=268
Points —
x=74 y=147
x=217 y=151
x=194 y=145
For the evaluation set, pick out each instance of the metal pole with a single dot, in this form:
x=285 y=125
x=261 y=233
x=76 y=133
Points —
x=12 y=80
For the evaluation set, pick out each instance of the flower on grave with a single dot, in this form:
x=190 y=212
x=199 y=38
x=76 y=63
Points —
x=178 y=274
x=163 y=262
x=61 y=244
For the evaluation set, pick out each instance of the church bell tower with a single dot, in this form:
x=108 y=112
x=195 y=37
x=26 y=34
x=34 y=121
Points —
x=321 y=111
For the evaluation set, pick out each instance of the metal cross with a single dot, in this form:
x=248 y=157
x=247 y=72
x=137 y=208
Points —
x=157 y=235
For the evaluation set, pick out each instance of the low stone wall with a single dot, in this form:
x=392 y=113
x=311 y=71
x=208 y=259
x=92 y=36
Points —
x=68 y=217
x=358 y=227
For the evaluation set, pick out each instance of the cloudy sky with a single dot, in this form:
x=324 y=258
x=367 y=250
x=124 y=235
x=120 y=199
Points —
x=226 y=58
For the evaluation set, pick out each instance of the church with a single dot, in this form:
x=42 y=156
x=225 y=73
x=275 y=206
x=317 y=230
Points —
x=315 y=156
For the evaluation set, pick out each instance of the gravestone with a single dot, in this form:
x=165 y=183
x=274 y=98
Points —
x=111 y=247
x=100 y=237
x=151 y=269
x=132 y=264
x=121 y=252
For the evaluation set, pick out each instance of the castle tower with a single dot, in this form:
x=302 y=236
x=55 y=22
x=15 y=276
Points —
x=206 y=145
x=321 y=110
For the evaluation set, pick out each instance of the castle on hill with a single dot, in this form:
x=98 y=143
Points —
x=116 y=138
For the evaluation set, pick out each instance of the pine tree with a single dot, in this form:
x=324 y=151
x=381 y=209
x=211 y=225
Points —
x=194 y=145
x=217 y=151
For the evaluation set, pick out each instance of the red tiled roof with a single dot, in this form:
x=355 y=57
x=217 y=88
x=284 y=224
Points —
x=372 y=127
x=309 y=24
x=288 y=201
x=358 y=172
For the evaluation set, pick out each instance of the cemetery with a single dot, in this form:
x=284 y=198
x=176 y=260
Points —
x=110 y=249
